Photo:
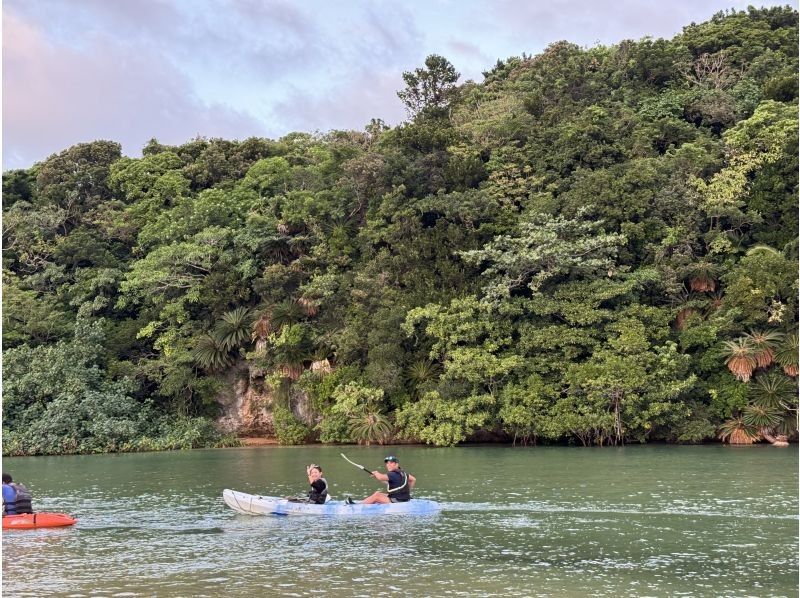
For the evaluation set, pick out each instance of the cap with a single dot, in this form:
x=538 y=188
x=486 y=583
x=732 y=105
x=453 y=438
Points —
x=392 y=459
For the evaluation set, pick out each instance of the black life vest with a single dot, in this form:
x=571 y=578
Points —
x=22 y=503
x=319 y=497
x=402 y=492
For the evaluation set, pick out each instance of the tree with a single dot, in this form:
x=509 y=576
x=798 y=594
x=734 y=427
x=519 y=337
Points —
x=429 y=90
x=544 y=249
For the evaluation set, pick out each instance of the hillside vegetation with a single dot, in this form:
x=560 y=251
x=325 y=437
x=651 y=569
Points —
x=593 y=245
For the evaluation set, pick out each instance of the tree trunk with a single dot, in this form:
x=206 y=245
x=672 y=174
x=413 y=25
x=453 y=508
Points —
x=777 y=440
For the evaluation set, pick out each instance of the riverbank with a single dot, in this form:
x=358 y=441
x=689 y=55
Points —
x=256 y=441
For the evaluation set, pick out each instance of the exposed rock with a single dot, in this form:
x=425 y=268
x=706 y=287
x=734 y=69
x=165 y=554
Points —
x=246 y=405
x=300 y=405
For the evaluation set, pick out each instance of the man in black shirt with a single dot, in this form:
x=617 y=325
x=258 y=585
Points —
x=398 y=484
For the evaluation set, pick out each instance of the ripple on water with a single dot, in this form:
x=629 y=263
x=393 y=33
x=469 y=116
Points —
x=662 y=528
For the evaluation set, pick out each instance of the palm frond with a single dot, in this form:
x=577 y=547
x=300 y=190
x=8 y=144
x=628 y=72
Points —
x=210 y=354
x=233 y=328
x=287 y=313
x=737 y=432
x=764 y=343
x=786 y=354
x=758 y=416
x=774 y=390
x=741 y=359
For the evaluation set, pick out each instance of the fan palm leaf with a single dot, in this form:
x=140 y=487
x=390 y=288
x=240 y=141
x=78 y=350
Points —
x=786 y=354
x=737 y=432
x=234 y=328
x=741 y=360
x=775 y=391
x=210 y=354
x=764 y=343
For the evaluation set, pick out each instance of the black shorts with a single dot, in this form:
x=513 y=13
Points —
x=393 y=499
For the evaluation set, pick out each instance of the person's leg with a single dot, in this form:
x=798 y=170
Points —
x=377 y=498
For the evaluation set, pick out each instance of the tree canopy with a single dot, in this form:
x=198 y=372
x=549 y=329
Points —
x=591 y=245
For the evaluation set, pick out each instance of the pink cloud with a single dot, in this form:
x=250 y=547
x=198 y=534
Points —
x=56 y=96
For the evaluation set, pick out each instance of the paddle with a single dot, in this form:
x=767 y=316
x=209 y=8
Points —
x=369 y=473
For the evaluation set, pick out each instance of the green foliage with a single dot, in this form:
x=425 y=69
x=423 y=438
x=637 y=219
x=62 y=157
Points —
x=563 y=252
x=57 y=400
x=545 y=248
x=287 y=429
x=434 y=419
x=429 y=90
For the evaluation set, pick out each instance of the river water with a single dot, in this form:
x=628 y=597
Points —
x=543 y=521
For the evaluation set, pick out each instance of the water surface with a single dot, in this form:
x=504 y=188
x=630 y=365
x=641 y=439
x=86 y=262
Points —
x=633 y=521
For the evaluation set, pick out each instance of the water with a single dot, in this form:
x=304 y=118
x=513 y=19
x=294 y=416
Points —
x=633 y=521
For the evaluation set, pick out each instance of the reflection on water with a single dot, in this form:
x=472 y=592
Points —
x=516 y=521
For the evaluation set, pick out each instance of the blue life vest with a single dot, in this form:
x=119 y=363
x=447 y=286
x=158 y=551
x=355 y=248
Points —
x=21 y=503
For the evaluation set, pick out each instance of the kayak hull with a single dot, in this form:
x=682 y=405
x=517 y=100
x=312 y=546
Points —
x=37 y=520
x=251 y=504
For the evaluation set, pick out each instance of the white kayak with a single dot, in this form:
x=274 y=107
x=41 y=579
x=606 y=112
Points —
x=252 y=504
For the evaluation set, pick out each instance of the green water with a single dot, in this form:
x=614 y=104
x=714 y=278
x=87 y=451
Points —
x=635 y=521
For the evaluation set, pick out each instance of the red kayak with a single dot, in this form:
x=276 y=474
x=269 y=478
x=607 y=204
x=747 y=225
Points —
x=34 y=520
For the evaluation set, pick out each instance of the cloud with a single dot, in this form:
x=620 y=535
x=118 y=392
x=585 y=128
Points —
x=348 y=105
x=55 y=96
x=130 y=70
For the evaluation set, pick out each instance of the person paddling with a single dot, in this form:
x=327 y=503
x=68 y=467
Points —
x=398 y=484
x=16 y=498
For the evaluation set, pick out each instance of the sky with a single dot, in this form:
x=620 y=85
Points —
x=131 y=70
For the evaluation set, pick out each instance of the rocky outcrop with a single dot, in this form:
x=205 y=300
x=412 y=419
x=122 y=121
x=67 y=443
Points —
x=246 y=404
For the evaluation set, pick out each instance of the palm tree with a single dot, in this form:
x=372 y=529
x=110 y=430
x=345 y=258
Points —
x=786 y=354
x=210 y=354
x=766 y=420
x=290 y=358
x=234 y=328
x=764 y=343
x=369 y=425
x=741 y=360
x=261 y=329
x=702 y=277
x=737 y=432
x=687 y=304
x=714 y=302
x=309 y=306
x=287 y=313
x=421 y=372
x=774 y=391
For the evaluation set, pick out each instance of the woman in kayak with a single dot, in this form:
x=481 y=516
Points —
x=398 y=484
x=319 y=485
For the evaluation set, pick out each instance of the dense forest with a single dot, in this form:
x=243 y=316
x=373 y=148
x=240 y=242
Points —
x=591 y=246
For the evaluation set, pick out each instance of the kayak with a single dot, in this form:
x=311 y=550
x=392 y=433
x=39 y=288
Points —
x=251 y=504
x=36 y=520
